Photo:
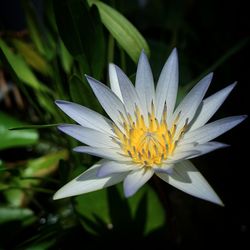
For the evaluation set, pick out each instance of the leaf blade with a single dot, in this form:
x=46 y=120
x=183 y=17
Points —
x=122 y=30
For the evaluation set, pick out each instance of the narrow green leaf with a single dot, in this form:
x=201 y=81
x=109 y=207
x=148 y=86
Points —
x=19 y=68
x=35 y=126
x=15 y=138
x=34 y=59
x=33 y=26
x=66 y=58
x=127 y=36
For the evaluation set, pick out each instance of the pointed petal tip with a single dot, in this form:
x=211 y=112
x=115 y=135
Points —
x=75 y=149
x=111 y=65
x=230 y=87
x=58 y=195
x=234 y=84
x=221 y=204
x=63 y=126
x=240 y=118
x=55 y=197
x=128 y=192
x=174 y=52
x=243 y=117
x=209 y=76
x=90 y=79
x=143 y=53
x=61 y=102
x=216 y=200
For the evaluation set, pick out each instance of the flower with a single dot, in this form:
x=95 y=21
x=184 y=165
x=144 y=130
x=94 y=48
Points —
x=146 y=135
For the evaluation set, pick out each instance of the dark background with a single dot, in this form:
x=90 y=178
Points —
x=203 y=32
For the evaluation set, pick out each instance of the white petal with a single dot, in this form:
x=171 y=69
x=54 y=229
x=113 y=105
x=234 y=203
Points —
x=109 y=101
x=136 y=179
x=112 y=167
x=88 y=136
x=188 y=179
x=114 y=83
x=167 y=86
x=207 y=148
x=106 y=153
x=165 y=168
x=191 y=102
x=144 y=83
x=129 y=94
x=88 y=182
x=85 y=117
x=212 y=130
x=210 y=105
x=181 y=155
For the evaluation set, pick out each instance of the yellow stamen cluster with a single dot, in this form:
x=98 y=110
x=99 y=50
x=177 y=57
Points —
x=148 y=143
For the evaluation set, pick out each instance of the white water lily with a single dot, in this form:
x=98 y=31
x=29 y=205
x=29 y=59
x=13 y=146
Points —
x=147 y=134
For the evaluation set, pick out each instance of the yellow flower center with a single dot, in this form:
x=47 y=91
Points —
x=149 y=144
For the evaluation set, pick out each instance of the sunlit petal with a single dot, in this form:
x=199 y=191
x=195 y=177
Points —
x=85 y=116
x=114 y=83
x=88 y=182
x=136 y=179
x=188 y=179
x=111 y=167
x=212 y=130
x=210 y=105
x=129 y=94
x=107 y=153
x=144 y=83
x=167 y=86
x=88 y=136
x=109 y=101
x=191 y=102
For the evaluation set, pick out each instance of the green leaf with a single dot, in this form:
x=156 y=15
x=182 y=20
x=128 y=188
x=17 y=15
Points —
x=81 y=31
x=92 y=205
x=155 y=217
x=19 y=68
x=127 y=36
x=81 y=93
x=35 y=126
x=97 y=211
x=15 y=138
x=66 y=58
x=22 y=188
x=33 y=26
x=44 y=165
x=8 y=214
x=35 y=60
